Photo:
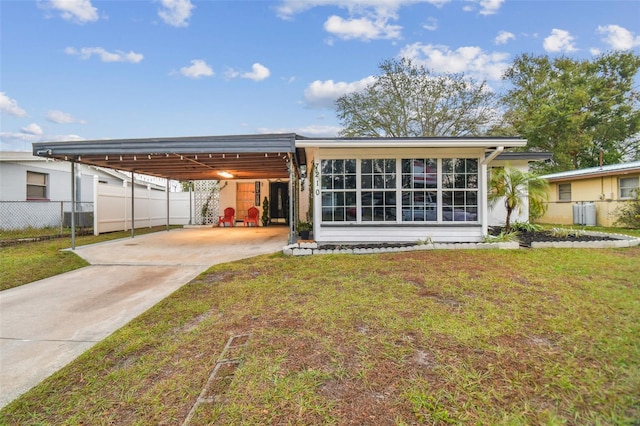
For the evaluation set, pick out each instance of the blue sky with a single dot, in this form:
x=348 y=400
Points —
x=88 y=69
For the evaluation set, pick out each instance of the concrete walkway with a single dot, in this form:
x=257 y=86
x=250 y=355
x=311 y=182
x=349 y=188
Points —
x=48 y=323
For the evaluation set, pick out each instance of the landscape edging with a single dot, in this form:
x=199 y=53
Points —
x=309 y=248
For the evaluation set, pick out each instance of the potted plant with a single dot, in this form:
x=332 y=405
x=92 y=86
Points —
x=265 y=212
x=304 y=228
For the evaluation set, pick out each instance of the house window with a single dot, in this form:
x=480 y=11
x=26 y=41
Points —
x=459 y=189
x=37 y=186
x=368 y=190
x=338 y=185
x=629 y=187
x=378 y=195
x=419 y=190
x=564 y=192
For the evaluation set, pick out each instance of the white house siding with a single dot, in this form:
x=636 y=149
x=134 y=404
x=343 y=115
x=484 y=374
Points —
x=399 y=231
x=498 y=213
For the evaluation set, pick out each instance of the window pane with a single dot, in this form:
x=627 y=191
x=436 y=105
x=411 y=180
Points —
x=34 y=178
x=350 y=166
x=367 y=181
x=629 y=187
x=350 y=182
x=36 y=191
x=326 y=182
x=564 y=192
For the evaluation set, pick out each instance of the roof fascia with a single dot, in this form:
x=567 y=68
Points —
x=268 y=143
x=411 y=143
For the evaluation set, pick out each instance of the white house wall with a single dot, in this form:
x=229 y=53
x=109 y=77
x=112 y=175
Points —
x=498 y=213
x=400 y=231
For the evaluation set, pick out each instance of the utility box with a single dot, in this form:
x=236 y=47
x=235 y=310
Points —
x=584 y=214
x=82 y=219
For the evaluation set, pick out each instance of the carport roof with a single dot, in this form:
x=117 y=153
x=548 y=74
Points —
x=185 y=158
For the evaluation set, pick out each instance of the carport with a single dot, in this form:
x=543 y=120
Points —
x=267 y=156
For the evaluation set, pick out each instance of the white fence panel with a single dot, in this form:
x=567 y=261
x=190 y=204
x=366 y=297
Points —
x=113 y=208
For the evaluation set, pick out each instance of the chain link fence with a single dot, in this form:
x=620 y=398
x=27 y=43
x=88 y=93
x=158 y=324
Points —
x=37 y=219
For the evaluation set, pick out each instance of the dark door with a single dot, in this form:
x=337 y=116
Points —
x=279 y=201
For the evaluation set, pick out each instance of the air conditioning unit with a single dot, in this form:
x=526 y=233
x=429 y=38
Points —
x=584 y=214
x=82 y=219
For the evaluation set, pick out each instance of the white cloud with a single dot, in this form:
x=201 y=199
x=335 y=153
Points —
x=431 y=24
x=198 y=68
x=559 y=41
x=176 y=12
x=470 y=60
x=619 y=38
x=487 y=7
x=490 y=7
x=503 y=37
x=60 y=117
x=32 y=129
x=288 y=8
x=10 y=106
x=323 y=94
x=78 y=11
x=105 y=56
x=259 y=72
x=595 y=51
x=362 y=28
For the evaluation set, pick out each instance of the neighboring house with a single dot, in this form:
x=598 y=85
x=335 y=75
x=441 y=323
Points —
x=354 y=189
x=601 y=190
x=34 y=190
x=25 y=177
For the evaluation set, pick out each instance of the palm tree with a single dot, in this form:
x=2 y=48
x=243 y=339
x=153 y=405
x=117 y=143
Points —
x=514 y=187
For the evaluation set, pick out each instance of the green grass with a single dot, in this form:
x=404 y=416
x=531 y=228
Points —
x=27 y=262
x=544 y=336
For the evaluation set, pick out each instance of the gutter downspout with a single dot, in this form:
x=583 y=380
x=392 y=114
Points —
x=485 y=190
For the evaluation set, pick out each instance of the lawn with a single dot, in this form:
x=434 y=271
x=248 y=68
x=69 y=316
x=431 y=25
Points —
x=24 y=263
x=544 y=336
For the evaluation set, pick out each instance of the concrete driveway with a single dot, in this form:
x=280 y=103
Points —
x=48 y=323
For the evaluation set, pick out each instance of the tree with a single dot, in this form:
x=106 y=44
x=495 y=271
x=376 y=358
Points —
x=408 y=100
x=578 y=110
x=514 y=187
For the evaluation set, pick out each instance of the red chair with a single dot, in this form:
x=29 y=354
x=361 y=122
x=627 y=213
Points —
x=252 y=216
x=229 y=217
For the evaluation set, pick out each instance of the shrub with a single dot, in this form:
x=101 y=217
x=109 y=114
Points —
x=526 y=227
x=628 y=214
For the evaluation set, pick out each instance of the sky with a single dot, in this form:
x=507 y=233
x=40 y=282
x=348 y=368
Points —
x=89 y=69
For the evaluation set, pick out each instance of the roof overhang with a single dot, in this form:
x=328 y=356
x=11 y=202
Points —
x=184 y=158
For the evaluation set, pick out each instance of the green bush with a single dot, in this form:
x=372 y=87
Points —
x=629 y=214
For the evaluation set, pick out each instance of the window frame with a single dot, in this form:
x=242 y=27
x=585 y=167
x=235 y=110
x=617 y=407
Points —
x=564 y=192
x=42 y=187
x=633 y=188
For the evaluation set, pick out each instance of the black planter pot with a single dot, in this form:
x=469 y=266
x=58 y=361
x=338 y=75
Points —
x=304 y=235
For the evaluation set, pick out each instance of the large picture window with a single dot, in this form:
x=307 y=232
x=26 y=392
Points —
x=429 y=189
x=338 y=185
x=37 y=186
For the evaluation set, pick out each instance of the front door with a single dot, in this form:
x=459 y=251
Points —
x=245 y=197
x=279 y=201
